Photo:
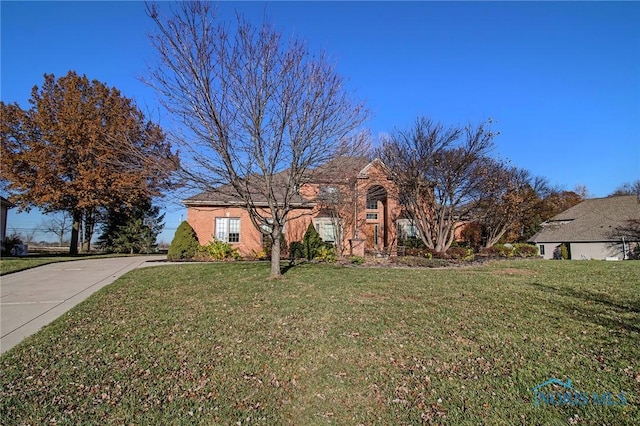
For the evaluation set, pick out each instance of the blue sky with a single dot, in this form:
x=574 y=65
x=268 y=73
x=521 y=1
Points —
x=561 y=79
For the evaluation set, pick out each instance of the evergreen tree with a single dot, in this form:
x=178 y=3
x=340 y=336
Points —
x=132 y=230
x=185 y=243
x=311 y=242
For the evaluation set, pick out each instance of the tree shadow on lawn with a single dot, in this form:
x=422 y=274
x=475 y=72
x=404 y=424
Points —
x=589 y=311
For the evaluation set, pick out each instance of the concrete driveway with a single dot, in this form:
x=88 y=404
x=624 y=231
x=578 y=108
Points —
x=33 y=298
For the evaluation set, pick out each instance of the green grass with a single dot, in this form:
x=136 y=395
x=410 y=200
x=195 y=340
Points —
x=223 y=344
x=10 y=265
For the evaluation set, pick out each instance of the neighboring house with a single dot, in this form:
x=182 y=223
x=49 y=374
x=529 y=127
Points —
x=351 y=202
x=588 y=229
x=5 y=205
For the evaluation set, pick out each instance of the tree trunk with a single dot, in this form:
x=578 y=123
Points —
x=89 y=225
x=492 y=239
x=275 y=253
x=75 y=231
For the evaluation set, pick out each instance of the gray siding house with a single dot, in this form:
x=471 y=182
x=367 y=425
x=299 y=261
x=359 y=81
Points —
x=590 y=229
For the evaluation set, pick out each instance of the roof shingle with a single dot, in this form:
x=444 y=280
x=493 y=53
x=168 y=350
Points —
x=591 y=220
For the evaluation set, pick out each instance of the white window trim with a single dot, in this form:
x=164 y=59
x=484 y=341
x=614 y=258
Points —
x=408 y=228
x=223 y=228
x=322 y=223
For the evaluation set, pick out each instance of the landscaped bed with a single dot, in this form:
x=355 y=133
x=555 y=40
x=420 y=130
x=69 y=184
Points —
x=224 y=344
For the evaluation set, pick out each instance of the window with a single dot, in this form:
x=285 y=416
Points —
x=372 y=204
x=326 y=228
x=228 y=229
x=328 y=194
x=372 y=216
x=407 y=228
x=541 y=249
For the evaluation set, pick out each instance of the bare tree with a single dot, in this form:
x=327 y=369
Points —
x=258 y=111
x=628 y=188
x=582 y=190
x=59 y=224
x=442 y=173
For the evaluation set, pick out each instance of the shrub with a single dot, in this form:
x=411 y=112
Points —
x=502 y=250
x=471 y=234
x=421 y=262
x=461 y=253
x=326 y=254
x=185 y=244
x=525 y=250
x=296 y=250
x=267 y=245
x=311 y=242
x=9 y=243
x=258 y=255
x=421 y=252
x=219 y=250
x=356 y=260
x=561 y=252
x=412 y=243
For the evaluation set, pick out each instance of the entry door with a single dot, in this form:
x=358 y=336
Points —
x=373 y=236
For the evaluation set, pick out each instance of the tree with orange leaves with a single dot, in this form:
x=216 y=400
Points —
x=81 y=146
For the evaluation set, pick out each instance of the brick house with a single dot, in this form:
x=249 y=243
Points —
x=352 y=202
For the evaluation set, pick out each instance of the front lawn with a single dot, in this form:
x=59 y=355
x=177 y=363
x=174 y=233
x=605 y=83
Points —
x=223 y=344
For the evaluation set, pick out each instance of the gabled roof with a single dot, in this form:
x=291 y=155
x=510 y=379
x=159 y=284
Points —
x=226 y=195
x=593 y=220
x=364 y=173
x=339 y=170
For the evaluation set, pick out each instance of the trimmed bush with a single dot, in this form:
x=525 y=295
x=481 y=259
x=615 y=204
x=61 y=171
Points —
x=185 y=244
x=525 y=250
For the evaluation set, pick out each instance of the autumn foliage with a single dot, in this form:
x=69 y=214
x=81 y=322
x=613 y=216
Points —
x=81 y=146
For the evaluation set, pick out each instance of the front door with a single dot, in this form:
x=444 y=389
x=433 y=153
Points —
x=372 y=232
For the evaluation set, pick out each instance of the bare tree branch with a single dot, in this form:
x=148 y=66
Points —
x=258 y=112
x=442 y=174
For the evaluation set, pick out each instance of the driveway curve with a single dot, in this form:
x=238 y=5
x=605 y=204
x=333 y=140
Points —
x=31 y=299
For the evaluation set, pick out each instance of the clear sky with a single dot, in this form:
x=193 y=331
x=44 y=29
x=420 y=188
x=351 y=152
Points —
x=561 y=79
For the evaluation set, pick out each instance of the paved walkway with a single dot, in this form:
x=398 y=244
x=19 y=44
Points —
x=31 y=299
